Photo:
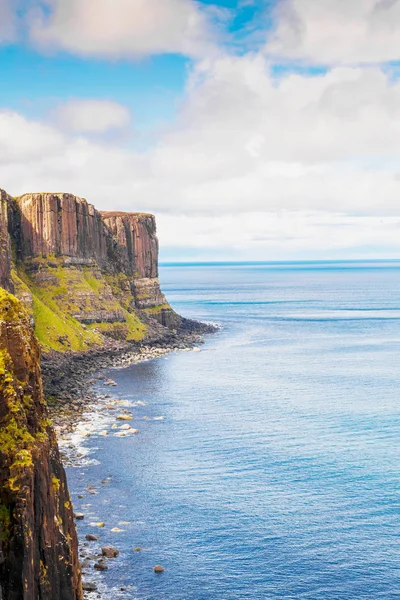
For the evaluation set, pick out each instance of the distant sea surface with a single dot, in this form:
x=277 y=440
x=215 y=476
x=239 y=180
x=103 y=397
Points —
x=275 y=473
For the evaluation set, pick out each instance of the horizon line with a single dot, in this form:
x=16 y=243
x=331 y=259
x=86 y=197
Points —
x=278 y=262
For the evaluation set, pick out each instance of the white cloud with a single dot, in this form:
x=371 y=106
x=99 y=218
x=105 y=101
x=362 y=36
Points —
x=261 y=166
x=22 y=140
x=279 y=236
x=336 y=31
x=124 y=28
x=92 y=116
x=244 y=118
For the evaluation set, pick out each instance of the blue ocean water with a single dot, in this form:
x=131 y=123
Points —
x=275 y=473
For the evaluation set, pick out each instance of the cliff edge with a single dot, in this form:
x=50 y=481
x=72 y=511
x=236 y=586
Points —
x=38 y=543
x=85 y=276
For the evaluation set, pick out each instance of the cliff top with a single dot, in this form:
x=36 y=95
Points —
x=110 y=214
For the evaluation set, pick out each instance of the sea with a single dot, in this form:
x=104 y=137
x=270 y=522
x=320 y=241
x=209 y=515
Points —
x=268 y=463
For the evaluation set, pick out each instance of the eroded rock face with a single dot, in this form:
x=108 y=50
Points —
x=67 y=227
x=70 y=260
x=136 y=236
x=62 y=225
x=5 y=249
x=38 y=543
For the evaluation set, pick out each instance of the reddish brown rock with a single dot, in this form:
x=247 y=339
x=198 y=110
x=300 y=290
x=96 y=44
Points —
x=62 y=225
x=67 y=227
x=136 y=237
x=38 y=543
x=158 y=569
x=98 y=268
x=110 y=552
x=5 y=247
x=135 y=234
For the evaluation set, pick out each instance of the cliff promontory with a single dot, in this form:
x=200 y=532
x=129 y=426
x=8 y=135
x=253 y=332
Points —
x=73 y=282
x=84 y=275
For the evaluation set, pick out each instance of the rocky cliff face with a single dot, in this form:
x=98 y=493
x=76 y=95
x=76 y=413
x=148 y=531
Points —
x=135 y=234
x=84 y=274
x=61 y=225
x=5 y=247
x=38 y=544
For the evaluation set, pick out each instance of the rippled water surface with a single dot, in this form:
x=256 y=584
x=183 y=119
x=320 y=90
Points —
x=275 y=473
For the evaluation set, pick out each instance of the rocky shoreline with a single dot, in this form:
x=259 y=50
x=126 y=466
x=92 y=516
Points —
x=81 y=405
x=68 y=379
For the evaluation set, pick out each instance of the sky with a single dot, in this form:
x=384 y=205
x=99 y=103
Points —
x=253 y=129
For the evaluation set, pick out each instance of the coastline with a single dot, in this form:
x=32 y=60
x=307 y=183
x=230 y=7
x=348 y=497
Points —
x=87 y=408
x=68 y=378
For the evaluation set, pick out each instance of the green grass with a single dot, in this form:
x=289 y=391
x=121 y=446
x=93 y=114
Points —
x=132 y=330
x=59 y=292
x=56 y=331
x=156 y=310
x=16 y=441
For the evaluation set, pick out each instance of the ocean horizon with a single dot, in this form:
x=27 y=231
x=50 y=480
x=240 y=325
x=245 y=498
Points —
x=349 y=263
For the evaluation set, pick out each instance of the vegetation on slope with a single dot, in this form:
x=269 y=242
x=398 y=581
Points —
x=17 y=443
x=73 y=307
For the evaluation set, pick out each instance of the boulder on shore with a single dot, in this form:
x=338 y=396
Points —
x=109 y=552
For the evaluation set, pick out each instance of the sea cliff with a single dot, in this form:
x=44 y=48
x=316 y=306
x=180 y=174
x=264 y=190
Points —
x=84 y=275
x=76 y=285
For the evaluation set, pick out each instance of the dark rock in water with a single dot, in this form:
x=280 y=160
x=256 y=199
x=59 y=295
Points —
x=89 y=587
x=101 y=566
x=158 y=569
x=91 y=537
x=109 y=552
x=94 y=556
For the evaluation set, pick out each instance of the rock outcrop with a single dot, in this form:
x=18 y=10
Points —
x=61 y=225
x=135 y=234
x=38 y=543
x=83 y=274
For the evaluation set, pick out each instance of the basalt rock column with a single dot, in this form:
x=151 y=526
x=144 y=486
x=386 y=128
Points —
x=137 y=241
x=5 y=249
x=62 y=225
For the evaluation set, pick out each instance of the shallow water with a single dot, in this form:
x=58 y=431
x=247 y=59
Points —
x=275 y=473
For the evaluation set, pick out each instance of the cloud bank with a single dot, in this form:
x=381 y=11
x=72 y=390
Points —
x=336 y=31
x=92 y=116
x=262 y=164
x=123 y=28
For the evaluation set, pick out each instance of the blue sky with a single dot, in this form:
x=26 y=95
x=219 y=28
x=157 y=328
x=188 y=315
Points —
x=150 y=87
x=253 y=129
